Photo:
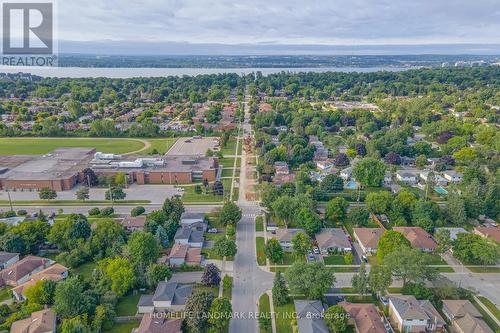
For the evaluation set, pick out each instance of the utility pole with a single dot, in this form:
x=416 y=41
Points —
x=111 y=195
x=10 y=201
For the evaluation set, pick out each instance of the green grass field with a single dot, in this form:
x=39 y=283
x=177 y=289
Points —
x=265 y=311
x=5 y=293
x=260 y=245
x=124 y=327
x=489 y=304
x=127 y=305
x=227 y=287
x=284 y=317
x=35 y=146
x=161 y=145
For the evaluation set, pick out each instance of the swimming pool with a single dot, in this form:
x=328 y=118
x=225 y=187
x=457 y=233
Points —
x=440 y=190
x=351 y=185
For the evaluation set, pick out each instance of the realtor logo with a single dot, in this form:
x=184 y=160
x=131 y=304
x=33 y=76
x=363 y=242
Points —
x=27 y=28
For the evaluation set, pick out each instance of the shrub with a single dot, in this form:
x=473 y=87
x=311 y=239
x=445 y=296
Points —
x=22 y=212
x=108 y=211
x=139 y=210
x=94 y=211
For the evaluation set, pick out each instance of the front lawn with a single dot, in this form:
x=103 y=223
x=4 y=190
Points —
x=284 y=317
x=334 y=260
x=435 y=259
x=127 y=305
x=479 y=269
x=289 y=258
x=491 y=323
x=259 y=246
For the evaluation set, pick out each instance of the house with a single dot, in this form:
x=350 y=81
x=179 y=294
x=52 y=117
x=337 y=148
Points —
x=56 y=272
x=453 y=232
x=418 y=237
x=324 y=164
x=464 y=317
x=365 y=317
x=43 y=321
x=23 y=270
x=488 y=232
x=436 y=179
x=159 y=323
x=387 y=179
x=284 y=236
x=333 y=240
x=452 y=176
x=346 y=173
x=411 y=315
x=406 y=177
x=168 y=296
x=281 y=168
x=188 y=219
x=368 y=238
x=182 y=254
x=133 y=223
x=310 y=316
x=8 y=259
x=190 y=236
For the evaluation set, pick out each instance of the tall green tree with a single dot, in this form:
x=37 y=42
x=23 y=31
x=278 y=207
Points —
x=280 y=290
x=391 y=241
x=273 y=250
x=360 y=281
x=311 y=279
x=369 y=172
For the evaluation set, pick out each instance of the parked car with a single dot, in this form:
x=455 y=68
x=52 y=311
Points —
x=316 y=250
x=384 y=300
x=311 y=257
x=364 y=258
x=212 y=231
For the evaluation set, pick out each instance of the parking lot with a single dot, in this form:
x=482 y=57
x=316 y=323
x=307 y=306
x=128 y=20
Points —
x=192 y=146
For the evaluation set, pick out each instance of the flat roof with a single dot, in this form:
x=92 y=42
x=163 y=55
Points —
x=192 y=146
x=59 y=163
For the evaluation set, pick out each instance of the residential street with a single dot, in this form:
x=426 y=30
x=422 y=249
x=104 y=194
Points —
x=249 y=280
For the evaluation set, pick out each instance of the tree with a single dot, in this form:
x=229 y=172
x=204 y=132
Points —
x=301 y=244
x=358 y=216
x=332 y=183
x=310 y=221
x=72 y=298
x=156 y=273
x=143 y=249
x=118 y=273
x=280 y=290
x=379 y=279
x=379 y=202
x=336 y=318
x=42 y=292
x=230 y=214
x=341 y=160
x=390 y=241
x=311 y=279
x=456 y=209
x=392 y=158
x=115 y=193
x=348 y=258
x=47 y=193
x=369 y=172
x=198 y=305
x=473 y=249
x=218 y=188
x=89 y=177
x=211 y=276
x=220 y=314
x=76 y=324
x=82 y=193
x=284 y=207
x=103 y=318
x=32 y=235
x=273 y=250
x=68 y=233
x=443 y=238
x=107 y=237
x=410 y=265
x=120 y=179
x=360 y=281
x=336 y=209
x=136 y=211
x=225 y=247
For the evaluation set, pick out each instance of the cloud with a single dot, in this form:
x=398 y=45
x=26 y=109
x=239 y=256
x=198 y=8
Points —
x=282 y=21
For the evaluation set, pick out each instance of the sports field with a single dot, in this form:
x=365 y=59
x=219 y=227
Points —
x=33 y=146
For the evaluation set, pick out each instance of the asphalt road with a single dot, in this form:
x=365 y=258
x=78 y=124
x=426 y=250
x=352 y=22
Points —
x=121 y=210
x=249 y=280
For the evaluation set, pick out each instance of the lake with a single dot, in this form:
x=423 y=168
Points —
x=123 y=73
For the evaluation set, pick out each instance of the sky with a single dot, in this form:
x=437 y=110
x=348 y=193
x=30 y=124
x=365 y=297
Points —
x=327 y=22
